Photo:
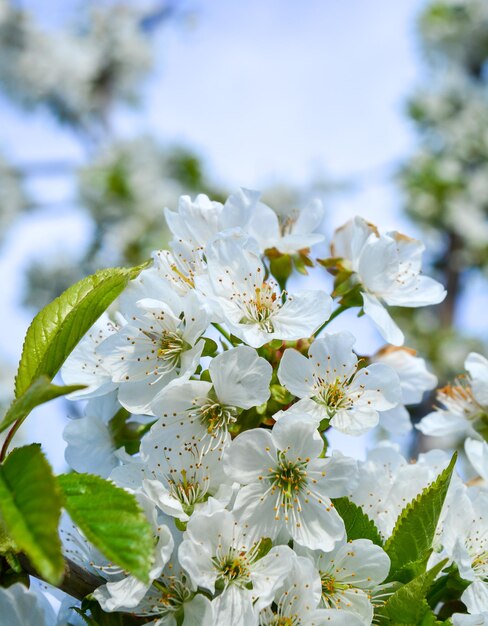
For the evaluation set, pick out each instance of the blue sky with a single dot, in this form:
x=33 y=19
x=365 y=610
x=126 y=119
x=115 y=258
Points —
x=266 y=91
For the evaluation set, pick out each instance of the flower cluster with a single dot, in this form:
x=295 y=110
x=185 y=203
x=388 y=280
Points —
x=209 y=394
x=229 y=383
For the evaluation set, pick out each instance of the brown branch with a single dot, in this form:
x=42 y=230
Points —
x=79 y=583
x=452 y=269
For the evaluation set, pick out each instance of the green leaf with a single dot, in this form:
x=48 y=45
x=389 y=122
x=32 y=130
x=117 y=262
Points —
x=30 y=505
x=415 y=527
x=408 y=604
x=447 y=588
x=57 y=329
x=86 y=618
x=358 y=524
x=39 y=392
x=112 y=520
x=211 y=348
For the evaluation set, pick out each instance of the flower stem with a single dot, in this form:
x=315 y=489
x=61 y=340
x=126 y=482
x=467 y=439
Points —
x=223 y=332
x=8 y=439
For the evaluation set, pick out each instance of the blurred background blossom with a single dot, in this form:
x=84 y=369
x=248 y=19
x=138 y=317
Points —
x=111 y=110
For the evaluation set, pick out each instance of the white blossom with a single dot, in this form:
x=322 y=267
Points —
x=218 y=552
x=178 y=480
x=387 y=482
x=463 y=406
x=335 y=388
x=388 y=270
x=156 y=346
x=286 y=486
x=348 y=574
x=297 y=601
x=204 y=411
x=252 y=306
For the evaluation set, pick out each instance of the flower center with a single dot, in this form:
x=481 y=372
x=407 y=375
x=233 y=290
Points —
x=171 y=345
x=234 y=567
x=289 y=478
x=261 y=307
x=187 y=280
x=217 y=417
x=333 y=395
x=287 y=222
x=172 y=593
x=330 y=587
x=267 y=618
x=480 y=564
x=459 y=399
x=188 y=490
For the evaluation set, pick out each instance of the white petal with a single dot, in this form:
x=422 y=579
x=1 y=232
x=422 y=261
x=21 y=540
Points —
x=415 y=379
x=382 y=320
x=337 y=617
x=250 y=455
x=477 y=367
x=350 y=239
x=320 y=526
x=238 y=208
x=309 y=218
x=234 y=608
x=161 y=497
x=268 y=572
x=332 y=356
x=378 y=386
x=198 y=612
x=256 y=509
x=362 y=564
x=341 y=474
x=302 y=314
x=90 y=447
x=477 y=453
x=241 y=377
x=358 y=602
x=197 y=561
x=299 y=439
x=378 y=265
x=355 y=421
x=396 y=421
x=442 y=423
x=177 y=398
x=476 y=597
x=423 y=291
x=295 y=373
x=21 y=607
x=122 y=594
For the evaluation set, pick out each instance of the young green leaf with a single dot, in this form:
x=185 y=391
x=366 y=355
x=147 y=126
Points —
x=358 y=524
x=408 y=605
x=40 y=391
x=57 y=329
x=111 y=519
x=415 y=527
x=30 y=506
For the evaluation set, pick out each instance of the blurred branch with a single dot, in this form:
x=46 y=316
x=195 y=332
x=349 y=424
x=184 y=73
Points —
x=452 y=273
x=79 y=583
